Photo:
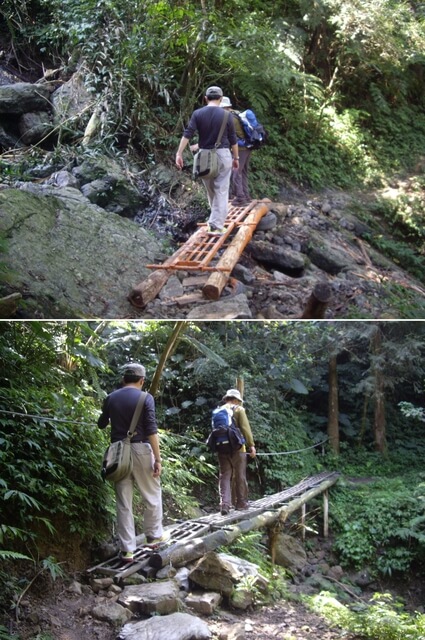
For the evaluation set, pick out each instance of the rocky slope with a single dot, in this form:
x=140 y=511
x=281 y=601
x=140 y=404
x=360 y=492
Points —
x=77 y=235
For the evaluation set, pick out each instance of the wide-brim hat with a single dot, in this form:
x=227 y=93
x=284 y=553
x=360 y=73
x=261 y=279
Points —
x=225 y=102
x=232 y=393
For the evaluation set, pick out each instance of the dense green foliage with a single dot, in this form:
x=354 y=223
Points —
x=338 y=84
x=55 y=374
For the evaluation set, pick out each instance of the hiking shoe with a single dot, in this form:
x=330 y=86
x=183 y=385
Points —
x=153 y=542
x=127 y=556
x=213 y=231
x=225 y=510
x=240 y=202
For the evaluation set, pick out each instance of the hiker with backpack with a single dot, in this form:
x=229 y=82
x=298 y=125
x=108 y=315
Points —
x=251 y=135
x=230 y=437
x=207 y=122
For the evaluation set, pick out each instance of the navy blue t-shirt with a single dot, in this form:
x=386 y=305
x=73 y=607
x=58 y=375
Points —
x=118 y=409
x=207 y=122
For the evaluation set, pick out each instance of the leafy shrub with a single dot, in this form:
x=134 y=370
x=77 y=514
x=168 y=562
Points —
x=383 y=619
x=382 y=531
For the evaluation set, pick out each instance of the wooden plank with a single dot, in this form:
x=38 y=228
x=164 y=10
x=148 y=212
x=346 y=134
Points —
x=218 y=280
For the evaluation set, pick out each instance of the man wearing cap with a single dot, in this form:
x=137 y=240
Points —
x=232 y=466
x=207 y=122
x=118 y=409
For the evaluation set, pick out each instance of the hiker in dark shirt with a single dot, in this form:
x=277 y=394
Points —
x=118 y=409
x=207 y=121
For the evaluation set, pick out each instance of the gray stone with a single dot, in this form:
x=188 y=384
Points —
x=204 y=603
x=243 y=274
x=172 y=289
x=156 y=597
x=289 y=552
x=281 y=258
x=101 y=584
x=35 y=127
x=177 y=626
x=230 y=308
x=73 y=259
x=111 y=612
x=326 y=256
x=221 y=572
x=71 y=101
x=22 y=97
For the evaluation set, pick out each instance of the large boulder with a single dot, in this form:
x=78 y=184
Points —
x=70 y=258
x=23 y=97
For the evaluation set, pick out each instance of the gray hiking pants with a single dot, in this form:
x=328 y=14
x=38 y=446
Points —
x=218 y=189
x=150 y=490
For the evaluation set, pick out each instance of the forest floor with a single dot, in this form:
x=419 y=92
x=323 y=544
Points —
x=55 y=611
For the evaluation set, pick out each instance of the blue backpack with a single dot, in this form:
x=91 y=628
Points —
x=255 y=136
x=225 y=435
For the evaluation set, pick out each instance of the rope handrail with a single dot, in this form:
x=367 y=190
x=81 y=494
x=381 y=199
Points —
x=178 y=435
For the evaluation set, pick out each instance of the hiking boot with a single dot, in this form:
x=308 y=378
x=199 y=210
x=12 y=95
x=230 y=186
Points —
x=240 y=202
x=214 y=231
x=127 y=556
x=154 y=542
x=225 y=511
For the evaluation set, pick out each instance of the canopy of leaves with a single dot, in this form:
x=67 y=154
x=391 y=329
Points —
x=338 y=84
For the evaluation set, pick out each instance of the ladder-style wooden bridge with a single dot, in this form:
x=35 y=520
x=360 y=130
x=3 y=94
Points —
x=204 y=254
x=191 y=539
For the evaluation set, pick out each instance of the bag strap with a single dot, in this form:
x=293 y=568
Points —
x=223 y=124
x=136 y=414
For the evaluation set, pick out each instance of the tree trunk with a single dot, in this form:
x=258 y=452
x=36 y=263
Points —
x=170 y=347
x=379 y=393
x=333 y=412
x=317 y=303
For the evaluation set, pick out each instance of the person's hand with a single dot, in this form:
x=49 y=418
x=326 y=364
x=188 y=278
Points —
x=157 y=468
x=252 y=452
x=194 y=147
x=179 y=161
x=235 y=163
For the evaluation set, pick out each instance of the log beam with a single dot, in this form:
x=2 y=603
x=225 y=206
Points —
x=183 y=552
x=218 y=280
x=148 y=289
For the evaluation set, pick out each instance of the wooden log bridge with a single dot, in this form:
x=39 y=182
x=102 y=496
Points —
x=192 y=539
x=199 y=254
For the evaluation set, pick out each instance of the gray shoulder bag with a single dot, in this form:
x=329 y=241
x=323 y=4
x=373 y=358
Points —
x=205 y=161
x=117 y=460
